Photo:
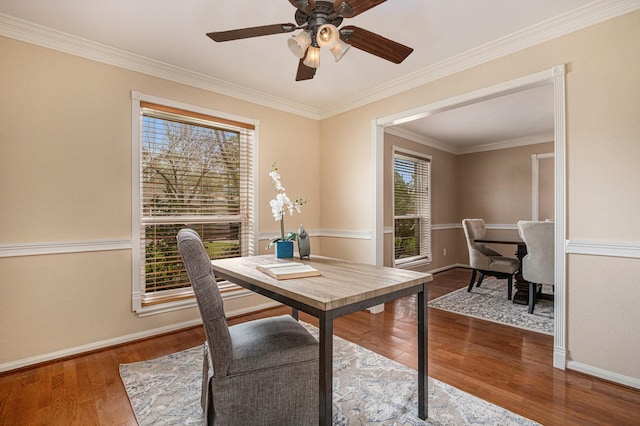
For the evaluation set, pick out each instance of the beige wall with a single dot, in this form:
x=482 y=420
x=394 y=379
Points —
x=496 y=186
x=602 y=110
x=65 y=176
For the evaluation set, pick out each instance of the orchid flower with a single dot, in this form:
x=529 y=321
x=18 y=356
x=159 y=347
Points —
x=280 y=205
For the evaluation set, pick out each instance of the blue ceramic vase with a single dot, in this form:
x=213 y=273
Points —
x=284 y=249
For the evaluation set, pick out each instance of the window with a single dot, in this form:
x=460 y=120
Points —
x=194 y=170
x=411 y=206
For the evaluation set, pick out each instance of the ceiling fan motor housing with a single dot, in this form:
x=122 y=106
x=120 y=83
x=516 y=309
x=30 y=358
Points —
x=323 y=13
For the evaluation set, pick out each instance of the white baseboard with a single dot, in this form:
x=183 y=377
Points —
x=446 y=268
x=96 y=345
x=102 y=344
x=604 y=374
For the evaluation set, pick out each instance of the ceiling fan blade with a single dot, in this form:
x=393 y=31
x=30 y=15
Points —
x=304 y=5
x=354 y=7
x=375 y=44
x=304 y=72
x=251 y=32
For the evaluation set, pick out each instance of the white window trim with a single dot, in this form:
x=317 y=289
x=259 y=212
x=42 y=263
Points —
x=136 y=255
x=416 y=261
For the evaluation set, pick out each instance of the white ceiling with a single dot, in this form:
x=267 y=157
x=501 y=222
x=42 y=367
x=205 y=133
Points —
x=520 y=118
x=440 y=31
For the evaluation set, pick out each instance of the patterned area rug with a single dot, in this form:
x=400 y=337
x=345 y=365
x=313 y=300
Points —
x=369 y=389
x=489 y=302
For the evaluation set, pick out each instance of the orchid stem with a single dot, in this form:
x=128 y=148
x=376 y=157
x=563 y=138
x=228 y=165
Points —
x=282 y=226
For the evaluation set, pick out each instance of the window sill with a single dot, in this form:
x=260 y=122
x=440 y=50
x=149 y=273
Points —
x=186 y=300
x=413 y=264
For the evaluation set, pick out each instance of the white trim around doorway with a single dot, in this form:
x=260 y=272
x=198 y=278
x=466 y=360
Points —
x=554 y=76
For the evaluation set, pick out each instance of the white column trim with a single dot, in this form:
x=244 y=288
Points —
x=560 y=235
x=377 y=219
x=535 y=182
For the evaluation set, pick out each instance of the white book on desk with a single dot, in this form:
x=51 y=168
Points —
x=288 y=270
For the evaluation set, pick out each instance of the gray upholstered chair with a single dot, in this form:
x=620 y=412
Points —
x=538 y=265
x=486 y=261
x=262 y=372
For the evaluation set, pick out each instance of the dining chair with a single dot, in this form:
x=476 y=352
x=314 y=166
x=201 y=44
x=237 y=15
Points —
x=538 y=265
x=261 y=372
x=486 y=261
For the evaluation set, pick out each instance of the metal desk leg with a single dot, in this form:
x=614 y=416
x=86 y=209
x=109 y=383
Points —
x=423 y=361
x=325 y=395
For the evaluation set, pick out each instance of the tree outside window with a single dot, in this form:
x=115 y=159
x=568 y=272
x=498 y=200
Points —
x=412 y=225
x=194 y=173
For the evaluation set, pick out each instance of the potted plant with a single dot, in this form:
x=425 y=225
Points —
x=279 y=206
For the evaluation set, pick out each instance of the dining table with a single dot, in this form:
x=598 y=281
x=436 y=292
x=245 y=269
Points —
x=343 y=287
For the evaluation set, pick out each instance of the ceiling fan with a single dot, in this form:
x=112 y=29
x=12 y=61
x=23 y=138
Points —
x=319 y=21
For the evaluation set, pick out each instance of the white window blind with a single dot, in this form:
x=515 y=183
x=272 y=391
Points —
x=196 y=172
x=412 y=208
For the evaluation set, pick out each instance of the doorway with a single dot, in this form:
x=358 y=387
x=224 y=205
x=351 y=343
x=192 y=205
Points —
x=555 y=77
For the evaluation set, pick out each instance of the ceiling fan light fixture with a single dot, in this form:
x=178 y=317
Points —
x=298 y=44
x=339 y=49
x=312 y=59
x=327 y=36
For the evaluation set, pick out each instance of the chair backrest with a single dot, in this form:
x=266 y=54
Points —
x=538 y=264
x=478 y=252
x=209 y=300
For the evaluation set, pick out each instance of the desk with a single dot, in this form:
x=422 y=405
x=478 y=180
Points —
x=343 y=288
x=521 y=296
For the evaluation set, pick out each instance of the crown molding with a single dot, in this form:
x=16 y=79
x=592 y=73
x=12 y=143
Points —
x=57 y=40
x=452 y=149
x=590 y=14
x=509 y=143
x=418 y=138
x=577 y=19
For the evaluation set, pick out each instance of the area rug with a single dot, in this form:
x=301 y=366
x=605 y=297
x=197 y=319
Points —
x=368 y=389
x=489 y=302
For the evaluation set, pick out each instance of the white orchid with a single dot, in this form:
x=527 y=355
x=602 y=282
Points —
x=280 y=205
x=275 y=180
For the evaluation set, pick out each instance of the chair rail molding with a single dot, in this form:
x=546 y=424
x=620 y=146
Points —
x=60 y=247
x=604 y=248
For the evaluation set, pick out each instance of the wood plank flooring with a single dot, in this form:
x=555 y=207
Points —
x=504 y=365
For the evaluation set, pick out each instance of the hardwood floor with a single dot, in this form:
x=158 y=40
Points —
x=504 y=365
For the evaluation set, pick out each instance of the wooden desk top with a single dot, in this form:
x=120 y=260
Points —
x=341 y=282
